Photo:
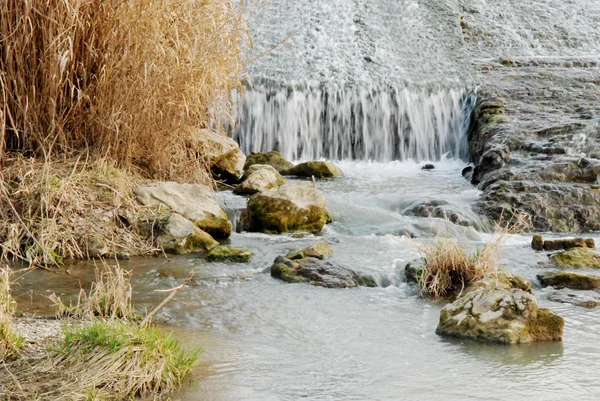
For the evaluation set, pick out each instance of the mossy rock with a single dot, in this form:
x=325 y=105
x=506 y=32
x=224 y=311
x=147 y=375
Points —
x=577 y=257
x=320 y=250
x=315 y=169
x=273 y=159
x=413 y=273
x=289 y=208
x=225 y=253
x=568 y=243
x=546 y=326
x=574 y=281
x=198 y=241
x=217 y=226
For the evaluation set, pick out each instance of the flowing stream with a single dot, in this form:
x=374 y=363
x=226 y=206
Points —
x=381 y=87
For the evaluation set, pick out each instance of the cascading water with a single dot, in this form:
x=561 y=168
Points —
x=362 y=80
x=355 y=123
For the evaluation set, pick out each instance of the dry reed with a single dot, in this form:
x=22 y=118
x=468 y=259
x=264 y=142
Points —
x=10 y=342
x=127 y=80
x=449 y=266
x=109 y=297
x=51 y=211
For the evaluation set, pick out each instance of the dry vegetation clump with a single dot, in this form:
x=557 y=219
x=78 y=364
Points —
x=10 y=342
x=449 y=266
x=109 y=297
x=124 y=80
x=55 y=211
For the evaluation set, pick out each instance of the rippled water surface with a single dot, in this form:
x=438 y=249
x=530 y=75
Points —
x=267 y=340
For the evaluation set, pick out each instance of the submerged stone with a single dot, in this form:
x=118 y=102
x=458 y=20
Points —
x=288 y=208
x=574 y=281
x=223 y=253
x=315 y=169
x=499 y=315
x=586 y=299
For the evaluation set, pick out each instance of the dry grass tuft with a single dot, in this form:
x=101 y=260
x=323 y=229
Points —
x=108 y=298
x=51 y=211
x=448 y=265
x=10 y=342
x=123 y=80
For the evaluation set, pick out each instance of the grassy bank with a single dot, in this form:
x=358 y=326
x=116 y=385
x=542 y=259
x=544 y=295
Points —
x=105 y=351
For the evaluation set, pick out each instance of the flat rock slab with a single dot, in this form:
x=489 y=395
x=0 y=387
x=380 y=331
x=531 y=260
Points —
x=225 y=253
x=574 y=281
x=587 y=299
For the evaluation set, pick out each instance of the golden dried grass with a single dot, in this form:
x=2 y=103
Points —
x=10 y=342
x=126 y=80
x=449 y=266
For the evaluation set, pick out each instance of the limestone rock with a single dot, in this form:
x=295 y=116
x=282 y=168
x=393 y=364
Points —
x=310 y=266
x=196 y=241
x=577 y=257
x=273 y=159
x=574 y=281
x=259 y=178
x=500 y=315
x=223 y=154
x=225 y=253
x=192 y=201
x=317 y=169
x=289 y=208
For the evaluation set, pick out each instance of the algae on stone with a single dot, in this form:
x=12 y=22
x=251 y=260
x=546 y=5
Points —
x=577 y=257
x=223 y=253
x=574 y=281
x=315 y=169
x=273 y=159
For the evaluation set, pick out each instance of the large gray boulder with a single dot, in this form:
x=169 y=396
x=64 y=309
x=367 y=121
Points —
x=288 y=208
x=259 y=178
x=178 y=235
x=192 y=201
x=500 y=315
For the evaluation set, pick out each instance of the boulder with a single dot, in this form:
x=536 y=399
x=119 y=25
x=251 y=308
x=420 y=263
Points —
x=568 y=243
x=500 y=315
x=259 y=178
x=586 y=299
x=574 y=281
x=224 y=253
x=289 y=208
x=428 y=167
x=537 y=243
x=178 y=235
x=577 y=257
x=192 y=201
x=502 y=279
x=273 y=159
x=222 y=153
x=315 y=169
x=310 y=266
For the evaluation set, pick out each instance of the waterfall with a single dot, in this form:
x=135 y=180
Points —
x=355 y=123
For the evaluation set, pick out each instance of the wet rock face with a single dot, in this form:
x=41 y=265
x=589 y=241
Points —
x=310 y=266
x=533 y=150
x=500 y=315
x=439 y=209
x=223 y=253
x=289 y=208
x=539 y=244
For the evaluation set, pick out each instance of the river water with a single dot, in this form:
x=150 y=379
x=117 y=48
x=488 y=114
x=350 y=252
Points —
x=381 y=87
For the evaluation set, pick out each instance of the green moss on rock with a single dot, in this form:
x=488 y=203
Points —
x=320 y=250
x=198 y=241
x=317 y=169
x=272 y=158
x=216 y=226
x=225 y=253
x=574 y=281
x=577 y=257
x=546 y=326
